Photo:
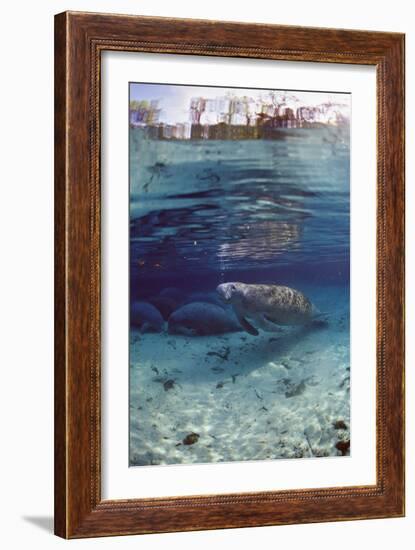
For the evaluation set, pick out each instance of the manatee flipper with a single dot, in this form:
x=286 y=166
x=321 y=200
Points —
x=320 y=320
x=267 y=324
x=318 y=323
x=321 y=314
x=247 y=326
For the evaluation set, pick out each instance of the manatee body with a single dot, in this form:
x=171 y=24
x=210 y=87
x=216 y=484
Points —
x=202 y=319
x=267 y=306
x=146 y=317
x=207 y=297
x=173 y=293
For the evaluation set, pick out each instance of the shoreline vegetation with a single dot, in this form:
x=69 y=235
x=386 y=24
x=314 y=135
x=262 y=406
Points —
x=237 y=118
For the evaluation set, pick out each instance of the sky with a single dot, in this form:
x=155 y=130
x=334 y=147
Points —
x=174 y=100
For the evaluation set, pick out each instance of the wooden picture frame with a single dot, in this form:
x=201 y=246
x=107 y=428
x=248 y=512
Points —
x=79 y=40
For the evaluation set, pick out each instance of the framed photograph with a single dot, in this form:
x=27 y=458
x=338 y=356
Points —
x=229 y=275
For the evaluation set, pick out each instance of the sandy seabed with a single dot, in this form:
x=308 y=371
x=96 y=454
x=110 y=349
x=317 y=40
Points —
x=239 y=397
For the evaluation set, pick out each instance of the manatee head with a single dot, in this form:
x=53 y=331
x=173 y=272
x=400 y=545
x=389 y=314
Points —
x=229 y=291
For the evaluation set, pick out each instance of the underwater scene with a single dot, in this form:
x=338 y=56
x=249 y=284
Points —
x=239 y=274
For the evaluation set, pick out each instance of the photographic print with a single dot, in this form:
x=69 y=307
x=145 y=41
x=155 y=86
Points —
x=239 y=274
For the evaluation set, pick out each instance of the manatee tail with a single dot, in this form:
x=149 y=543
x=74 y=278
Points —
x=320 y=319
x=324 y=315
x=317 y=314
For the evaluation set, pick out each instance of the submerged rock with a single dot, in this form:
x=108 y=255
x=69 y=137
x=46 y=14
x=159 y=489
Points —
x=202 y=319
x=343 y=447
x=146 y=317
x=339 y=425
x=191 y=439
x=292 y=389
x=169 y=384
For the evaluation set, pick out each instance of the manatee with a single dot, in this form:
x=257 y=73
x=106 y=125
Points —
x=173 y=293
x=207 y=297
x=146 y=317
x=202 y=319
x=267 y=306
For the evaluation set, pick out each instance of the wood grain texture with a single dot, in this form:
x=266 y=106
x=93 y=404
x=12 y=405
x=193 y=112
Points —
x=60 y=277
x=79 y=40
